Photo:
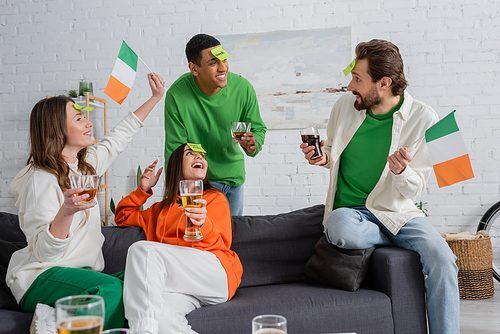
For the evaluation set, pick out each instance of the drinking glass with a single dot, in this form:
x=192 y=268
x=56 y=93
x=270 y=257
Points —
x=89 y=183
x=118 y=331
x=310 y=136
x=191 y=190
x=269 y=324
x=80 y=314
x=238 y=129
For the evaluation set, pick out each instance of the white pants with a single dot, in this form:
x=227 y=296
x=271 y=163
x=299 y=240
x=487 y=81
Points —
x=164 y=282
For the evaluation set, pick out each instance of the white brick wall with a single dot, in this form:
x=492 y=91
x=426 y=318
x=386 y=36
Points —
x=451 y=50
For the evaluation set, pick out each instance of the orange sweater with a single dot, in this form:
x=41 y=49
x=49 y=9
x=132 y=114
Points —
x=168 y=227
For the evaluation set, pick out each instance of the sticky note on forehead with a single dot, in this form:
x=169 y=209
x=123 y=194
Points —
x=79 y=107
x=220 y=53
x=350 y=67
x=196 y=148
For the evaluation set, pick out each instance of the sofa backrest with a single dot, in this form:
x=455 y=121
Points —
x=274 y=249
x=116 y=244
x=9 y=227
x=11 y=240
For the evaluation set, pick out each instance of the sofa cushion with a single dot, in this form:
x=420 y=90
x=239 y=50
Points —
x=307 y=308
x=14 y=322
x=275 y=248
x=13 y=239
x=10 y=228
x=7 y=300
x=341 y=268
x=116 y=244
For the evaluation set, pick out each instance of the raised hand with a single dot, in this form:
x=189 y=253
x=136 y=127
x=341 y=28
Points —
x=148 y=178
x=157 y=89
x=157 y=85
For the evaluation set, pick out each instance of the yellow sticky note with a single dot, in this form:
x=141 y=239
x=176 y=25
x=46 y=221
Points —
x=220 y=53
x=350 y=67
x=79 y=107
x=196 y=147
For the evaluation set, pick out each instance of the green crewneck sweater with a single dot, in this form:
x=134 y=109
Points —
x=192 y=116
x=363 y=160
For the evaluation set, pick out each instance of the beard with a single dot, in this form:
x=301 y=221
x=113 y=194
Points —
x=372 y=99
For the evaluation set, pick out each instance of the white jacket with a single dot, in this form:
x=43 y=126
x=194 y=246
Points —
x=39 y=198
x=392 y=199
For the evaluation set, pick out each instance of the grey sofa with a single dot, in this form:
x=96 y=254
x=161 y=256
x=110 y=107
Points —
x=274 y=250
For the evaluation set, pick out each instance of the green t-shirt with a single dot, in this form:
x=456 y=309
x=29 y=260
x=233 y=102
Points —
x=192 y=116
x=363 y=160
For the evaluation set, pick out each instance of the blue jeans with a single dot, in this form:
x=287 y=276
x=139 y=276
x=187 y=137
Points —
x=234 y=197
x=358 y=228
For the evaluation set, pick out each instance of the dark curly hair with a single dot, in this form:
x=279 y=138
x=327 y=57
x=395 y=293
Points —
x=197 y=44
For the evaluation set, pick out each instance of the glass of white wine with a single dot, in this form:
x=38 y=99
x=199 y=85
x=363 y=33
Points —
x=191 y=190
x=80 y=314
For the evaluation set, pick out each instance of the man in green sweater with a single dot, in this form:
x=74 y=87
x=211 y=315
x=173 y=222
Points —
x=199 y=108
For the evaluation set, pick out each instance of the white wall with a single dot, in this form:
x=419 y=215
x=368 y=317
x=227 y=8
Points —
x=451 y=50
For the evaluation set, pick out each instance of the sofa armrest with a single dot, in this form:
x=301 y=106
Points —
x=398 y=273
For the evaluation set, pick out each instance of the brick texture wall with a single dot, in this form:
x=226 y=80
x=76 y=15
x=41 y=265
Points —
x=451 y=50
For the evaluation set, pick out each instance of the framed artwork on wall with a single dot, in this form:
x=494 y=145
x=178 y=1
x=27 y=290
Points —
x=297 y=74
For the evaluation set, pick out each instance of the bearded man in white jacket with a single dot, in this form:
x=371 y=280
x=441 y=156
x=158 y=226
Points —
x=379 y=164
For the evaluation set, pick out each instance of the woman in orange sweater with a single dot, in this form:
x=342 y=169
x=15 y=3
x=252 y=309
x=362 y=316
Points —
x=165 y=276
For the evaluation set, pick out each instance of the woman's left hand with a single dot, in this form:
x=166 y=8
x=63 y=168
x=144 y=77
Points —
x=197 y=215
x=148 y=179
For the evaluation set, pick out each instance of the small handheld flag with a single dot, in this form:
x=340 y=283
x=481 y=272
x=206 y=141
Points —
x=448 y=153
x=123 y=74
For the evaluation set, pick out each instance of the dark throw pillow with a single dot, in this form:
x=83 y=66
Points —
x=7 y=300
x=341 y=268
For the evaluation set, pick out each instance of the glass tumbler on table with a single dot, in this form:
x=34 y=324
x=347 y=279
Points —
x=80 y=314
x=269 y=324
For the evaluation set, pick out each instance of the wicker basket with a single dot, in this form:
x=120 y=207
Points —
x=475 y=269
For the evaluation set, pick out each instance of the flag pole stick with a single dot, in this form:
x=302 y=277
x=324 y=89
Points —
x=145 y=64
x=410 y=147
x=142 y=61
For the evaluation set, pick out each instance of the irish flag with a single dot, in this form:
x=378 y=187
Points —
x=448 y=153
x=123 y=74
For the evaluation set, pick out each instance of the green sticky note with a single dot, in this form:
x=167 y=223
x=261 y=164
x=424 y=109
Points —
x=196 y=147
x=79 y=107
x=220 y=53
x=350 y=67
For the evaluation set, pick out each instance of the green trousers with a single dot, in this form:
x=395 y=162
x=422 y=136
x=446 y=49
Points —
x=59 y=282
